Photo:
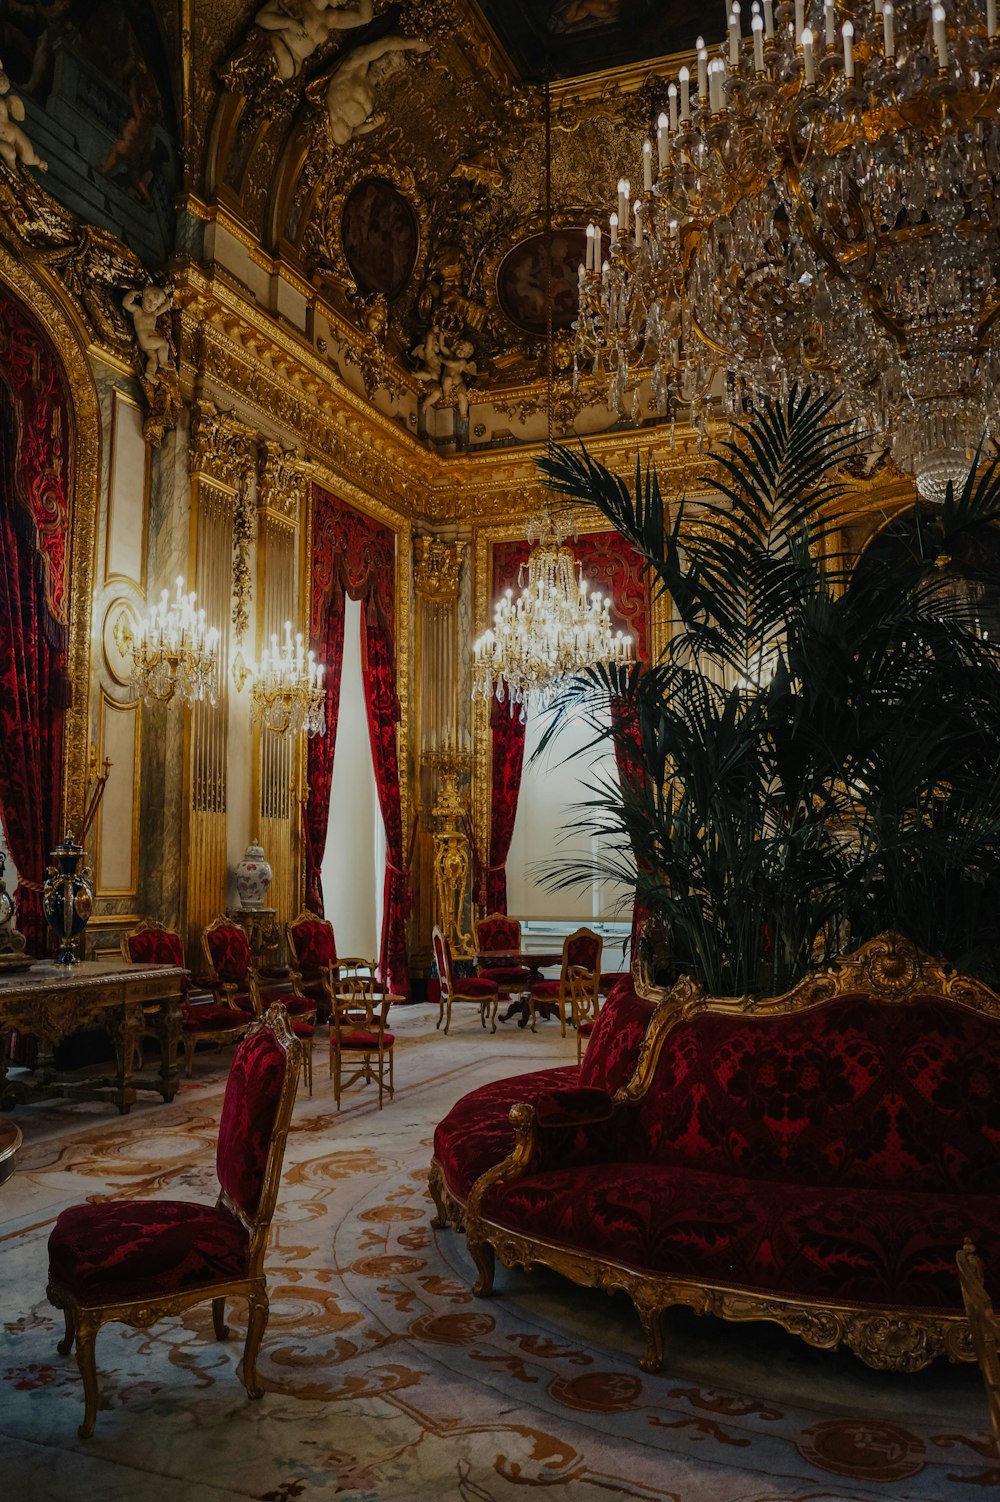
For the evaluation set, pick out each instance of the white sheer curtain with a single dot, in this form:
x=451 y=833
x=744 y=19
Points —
x=353 y=871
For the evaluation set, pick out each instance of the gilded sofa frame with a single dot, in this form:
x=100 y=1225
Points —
x=891 y=1339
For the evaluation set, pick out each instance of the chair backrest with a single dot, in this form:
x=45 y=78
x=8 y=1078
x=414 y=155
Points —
x=581 y=952
x=153 y=944
x=311 y=941
x=985 y=1326
x=346 y=1016
x=497 y=931
x=442 y=955
x=256 y=1112
x=227 y=950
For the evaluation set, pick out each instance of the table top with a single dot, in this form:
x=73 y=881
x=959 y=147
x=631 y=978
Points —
x=538 y=959
x=46 y=975
x=10 y=1141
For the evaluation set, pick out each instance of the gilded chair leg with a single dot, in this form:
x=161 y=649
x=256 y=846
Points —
x=256 y=1325
x=562 y=1020
x=435 y=1183
x=440 y=1016
x=483 y=1257
x=65 y=1346
x=86 y=1360
x=651 y=1316
x=219 y=1319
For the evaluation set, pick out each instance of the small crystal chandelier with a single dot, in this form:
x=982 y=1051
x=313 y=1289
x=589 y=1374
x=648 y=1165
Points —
x=175 y=653
x=819 y=206
x=288 y=694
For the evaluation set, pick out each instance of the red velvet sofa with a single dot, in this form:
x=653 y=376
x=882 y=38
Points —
x=477 y=1133
x=815 y=1159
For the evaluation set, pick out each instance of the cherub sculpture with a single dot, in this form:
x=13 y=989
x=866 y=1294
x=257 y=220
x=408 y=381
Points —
x=297 y=28
x=447 y=381
x=14 y=144
x=350 y=92
x=145 y=308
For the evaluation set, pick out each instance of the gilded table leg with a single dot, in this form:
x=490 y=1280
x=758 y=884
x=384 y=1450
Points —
x=168 y=1030
x=125 y=1030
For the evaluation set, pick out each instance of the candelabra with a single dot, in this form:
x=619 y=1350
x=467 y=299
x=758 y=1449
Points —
x=288 y=694
x=175 y=652
x=819 y=207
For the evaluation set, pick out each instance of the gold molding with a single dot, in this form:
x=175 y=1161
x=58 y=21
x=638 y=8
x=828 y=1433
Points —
x=70 y=341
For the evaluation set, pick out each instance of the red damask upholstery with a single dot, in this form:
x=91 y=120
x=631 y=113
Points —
x=454 y=988
x=477 y=1134
x=155 y=946
x=313 y=943
x=498 y=932
x=128 y=1249
x=229 y=952
x=253 y=1093
x=206 y=1018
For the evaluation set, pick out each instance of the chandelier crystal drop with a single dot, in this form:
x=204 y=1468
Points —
x=288 y=696
x=555 y=628
x=820 y=206
x=175 y=653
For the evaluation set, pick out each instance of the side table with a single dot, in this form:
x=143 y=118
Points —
x=261 y=929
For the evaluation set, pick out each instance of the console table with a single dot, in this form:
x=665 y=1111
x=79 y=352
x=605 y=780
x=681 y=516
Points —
x=54 y=1001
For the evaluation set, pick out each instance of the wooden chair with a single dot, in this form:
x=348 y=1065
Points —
x=498 y=931
x=985 y=1326
x=138 y=1261
x=204 y=1022
x=358 y=1036
x=475 y=988
x=235 y=981
x=313 y=949
x=575 y=994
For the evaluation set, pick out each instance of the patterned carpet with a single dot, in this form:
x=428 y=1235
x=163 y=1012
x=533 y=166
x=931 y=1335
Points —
x=386 y=1379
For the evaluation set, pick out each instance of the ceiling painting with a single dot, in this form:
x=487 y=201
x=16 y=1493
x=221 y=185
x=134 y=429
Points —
x=570 y=38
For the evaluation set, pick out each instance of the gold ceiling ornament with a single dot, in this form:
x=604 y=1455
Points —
x=175 y=653
x=555 y=629
x=818 y=207
x=288 y=696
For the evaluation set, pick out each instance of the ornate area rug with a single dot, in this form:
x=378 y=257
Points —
x=385 y=1377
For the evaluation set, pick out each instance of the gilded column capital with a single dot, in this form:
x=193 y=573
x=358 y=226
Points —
x=222 y=448
x=283 y=479
x=436 y=567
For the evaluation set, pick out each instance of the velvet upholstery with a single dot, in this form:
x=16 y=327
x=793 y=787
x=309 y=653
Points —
x=155 y=946
x=314 y=943
x=841 y=1153
x=206 y=1018
x=229 y=951
x=506 y=975
x=498 y=932
x=119 y=1250
x=476 y=1134
x=253 y=1093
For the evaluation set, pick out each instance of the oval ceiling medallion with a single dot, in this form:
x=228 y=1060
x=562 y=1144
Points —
x=521 y=280
x=381 y=237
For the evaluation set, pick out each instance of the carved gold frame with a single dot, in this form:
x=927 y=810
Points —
x=890 y=1339
x=84 y=1321
x=70 y=339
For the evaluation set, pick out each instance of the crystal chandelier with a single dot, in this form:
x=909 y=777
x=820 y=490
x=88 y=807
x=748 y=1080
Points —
x=175 y=653
x=820 y=206
x=288 y=694
x=555 y=628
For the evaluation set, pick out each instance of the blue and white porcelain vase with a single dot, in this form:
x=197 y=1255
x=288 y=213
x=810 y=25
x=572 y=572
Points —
x=253 y=877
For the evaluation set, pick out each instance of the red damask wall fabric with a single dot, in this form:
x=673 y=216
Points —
x=354 y=555
x=610 y=565
x=35 y=491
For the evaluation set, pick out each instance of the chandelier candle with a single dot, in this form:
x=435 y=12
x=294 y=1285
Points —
x=175 y=652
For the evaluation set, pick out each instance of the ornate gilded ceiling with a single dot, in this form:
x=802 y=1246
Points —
x=569 y=38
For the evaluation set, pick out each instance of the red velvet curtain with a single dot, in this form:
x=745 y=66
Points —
x=379 y=668
x=328 y=644
x=610 y=565
x=354 y=555
x=35 y=489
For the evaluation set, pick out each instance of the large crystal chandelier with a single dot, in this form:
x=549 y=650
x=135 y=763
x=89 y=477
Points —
x=175 y=653
x=555 y=628
x=820 y=205
x=288 y=696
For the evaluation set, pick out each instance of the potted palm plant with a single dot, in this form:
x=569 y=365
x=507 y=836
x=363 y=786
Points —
x=813 y=759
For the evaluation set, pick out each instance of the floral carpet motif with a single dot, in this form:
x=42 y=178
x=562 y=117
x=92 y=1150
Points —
x=386 y=1379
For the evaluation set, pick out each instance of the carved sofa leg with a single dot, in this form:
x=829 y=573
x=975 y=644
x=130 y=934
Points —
x=440 y=1220
x=651 y=1317
x=485 y=1260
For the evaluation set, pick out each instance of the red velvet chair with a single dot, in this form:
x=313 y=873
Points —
x=137 y=1261
x=313 y=948
x=228 y=952
x=475 y=988
x=574 y=994
x=204 y=1022
x=500 y=932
